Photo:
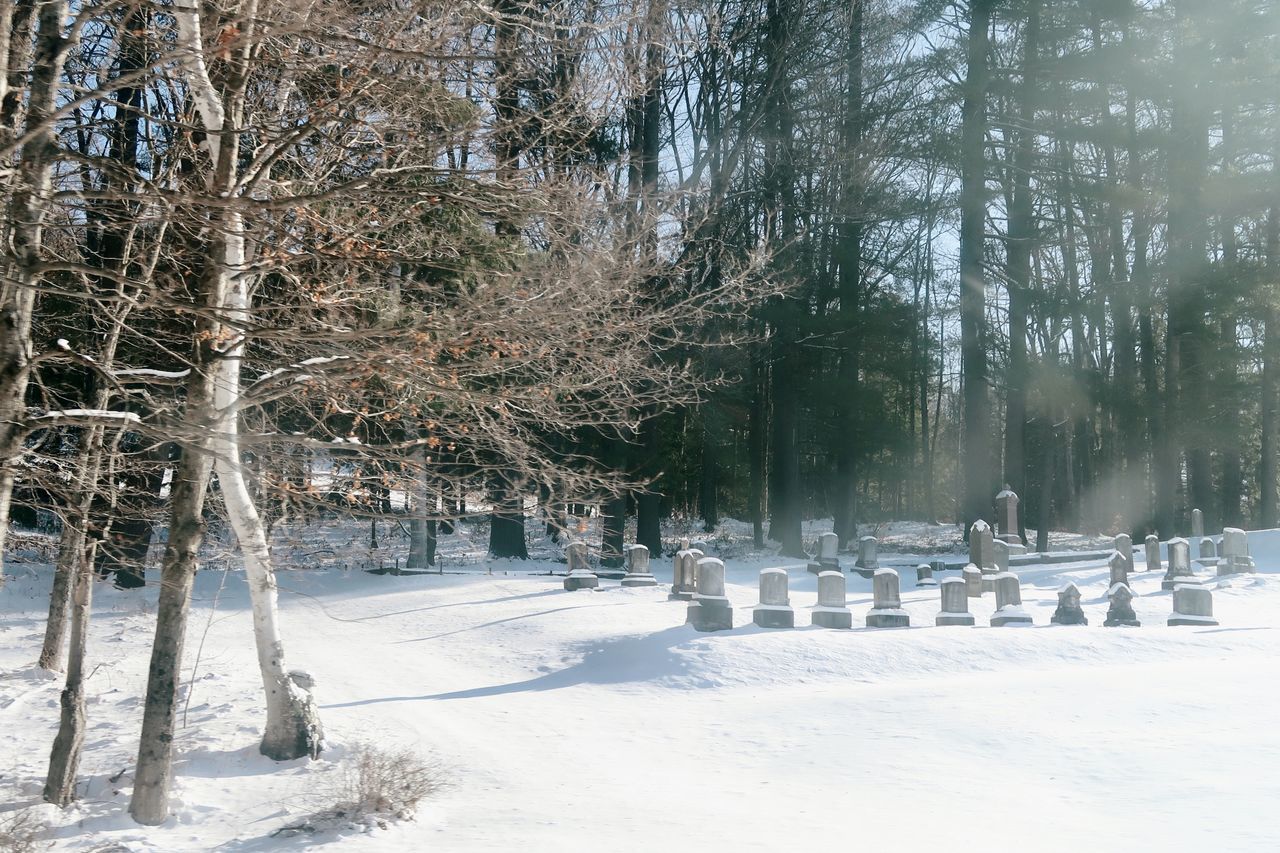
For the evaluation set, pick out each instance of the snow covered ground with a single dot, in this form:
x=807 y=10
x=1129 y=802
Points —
x=596 y=720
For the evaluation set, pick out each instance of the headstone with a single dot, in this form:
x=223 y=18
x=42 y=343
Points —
x=1197 y=524
x=1000 y=555
x=938 y=566
x=1208 y=551
x=972 y=581
x=980 y=549
x=1179 y=564
x=709 y=610
x=1069 y=612
x=1009 y=602
x=580 y=575
x=886 y=610
x=1120 y=612
x=955 y=603
x=699 y=546
x=924 y=575
x=1152 y=548
x=1119 y=568
x=1007 y=515
x=774 y=609
x=638 y=573
x=1192 y=605
x=828 y=545
x=832 y=611
x=868 y=558
x=1124 y=546
x=684 y=582
x=1235 y=552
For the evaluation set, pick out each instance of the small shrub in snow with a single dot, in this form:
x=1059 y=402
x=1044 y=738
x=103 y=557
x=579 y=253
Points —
x=375 y=786
x=20 y=831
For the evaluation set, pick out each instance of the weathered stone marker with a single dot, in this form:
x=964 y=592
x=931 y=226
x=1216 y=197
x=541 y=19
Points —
x=955 y=603
x=972 y=581
x=1192 y=605
x=1119 y=568
x=1197 y=524
x=980 y=548
x=1235 y=552
x=774 y=609
x=1069 y=611
x=924 y=575
x=638 y=573
x=684 y=583
x=1120 y=611
x=1179 y=570
x=1009 y=602
x=709 y=610
x=1000 y=563
x=580 y=575
x=886 y=609
x=832 y=610
x=1208 y=552
x=828 y=545
x=1152 y=548
x=938 y=565
x=1124 y=547
x=1007 y=515
x=868 y=556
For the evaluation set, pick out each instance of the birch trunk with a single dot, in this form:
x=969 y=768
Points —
x=64 y=759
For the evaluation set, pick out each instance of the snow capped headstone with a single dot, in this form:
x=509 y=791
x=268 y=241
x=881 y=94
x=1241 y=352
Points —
x=1009 y=602
x=1069 y=611
x=832 y=611
x=580 y=575
x=638 y=573
x=1235 y=552
x=1152 y=548
x=868 y=553
x=1197 y=525
x=1192 y=605
x=709 y=610
x=1000 y=555
x=1179 y=564
x=980 y=549
x=1119 y=568
x=1208 y=551
x=955 y=603
x=972 y=581
x=828 y=545
x=774 y=609
x=1124 y=547
x=683 y=583
x=886 y=611
x=1120 y=611
x=1007 y=515
x=924 y=575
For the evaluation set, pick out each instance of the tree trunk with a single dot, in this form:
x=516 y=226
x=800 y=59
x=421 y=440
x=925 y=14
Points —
x=64 y=759
x=70 y=554
x=1269 y=517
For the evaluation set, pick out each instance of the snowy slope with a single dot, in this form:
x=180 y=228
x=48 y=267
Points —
x=597 y=721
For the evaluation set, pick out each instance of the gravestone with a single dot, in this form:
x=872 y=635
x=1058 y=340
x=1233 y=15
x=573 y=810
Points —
x=1179 y=565
x=938 y=566
x=886 y=609
x=1152 y=548
x=709 y=610
x=1235 y=552
x=924 y=575
x=699 y=546
x=1192 y=605
x=828 y=545
x=1119 y=569
x=1124 y=546
x=1208 y=551
x=1197 y=525
x=980 y=548
x=832 y=611
x=1009 y=602
x=774 y=609
x=1007 y=515
x=1000 y=563
x=972 y=576
x=955 y=603
x=1120 y=611
x=868 y=556
x=684 y=582
x=580 y=575
x=1069 y=611
x=638 y=573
